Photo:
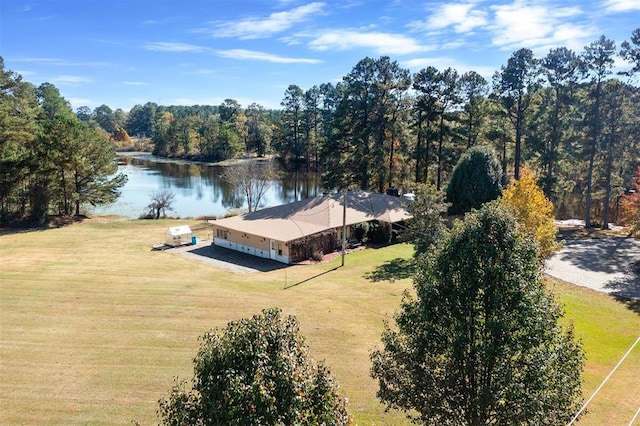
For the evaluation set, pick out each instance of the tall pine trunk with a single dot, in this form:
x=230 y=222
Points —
x=592 y=155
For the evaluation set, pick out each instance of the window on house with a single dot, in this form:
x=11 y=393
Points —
x=221 y=233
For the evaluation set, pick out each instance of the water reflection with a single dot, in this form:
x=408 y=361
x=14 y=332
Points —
x=199 y=189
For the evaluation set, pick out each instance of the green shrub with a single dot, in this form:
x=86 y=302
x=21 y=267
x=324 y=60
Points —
x=258 y=371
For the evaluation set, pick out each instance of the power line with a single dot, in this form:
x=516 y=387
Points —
x=602 y=384
x=635 y=417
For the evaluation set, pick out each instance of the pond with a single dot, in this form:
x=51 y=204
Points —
x=198 y=188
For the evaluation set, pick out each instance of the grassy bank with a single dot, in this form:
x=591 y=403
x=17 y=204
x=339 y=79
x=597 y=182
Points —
x=94 y=325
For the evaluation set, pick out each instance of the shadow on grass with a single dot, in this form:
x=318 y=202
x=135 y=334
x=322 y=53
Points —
x=55 y=221
x=631 y=304
x=311 y=278
x=396 y=269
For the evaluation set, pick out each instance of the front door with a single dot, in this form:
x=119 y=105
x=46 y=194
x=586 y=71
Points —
x=273 y=250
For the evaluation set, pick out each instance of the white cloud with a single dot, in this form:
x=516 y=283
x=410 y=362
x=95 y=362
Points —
x=531 y=24
x=26 y=73
x=252 y=28
x=59 y=62
x=463 y=17
x=134 y=83
x=617 y=6
x=444 y=62
x=261 y=56
x=165 y=46
x=381 y=43
x=78 y=102
x=71 y=80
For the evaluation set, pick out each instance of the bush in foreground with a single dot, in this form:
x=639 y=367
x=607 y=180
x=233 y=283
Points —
x=256 y=372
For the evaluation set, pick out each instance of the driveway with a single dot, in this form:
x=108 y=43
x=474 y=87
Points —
x=602 y=264
x=222 y=258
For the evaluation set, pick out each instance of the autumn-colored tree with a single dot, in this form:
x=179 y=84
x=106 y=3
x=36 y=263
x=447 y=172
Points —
x=533 y=210
x=630 y=207
x=121 y=135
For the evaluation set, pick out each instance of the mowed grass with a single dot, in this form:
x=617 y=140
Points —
x=94 y=326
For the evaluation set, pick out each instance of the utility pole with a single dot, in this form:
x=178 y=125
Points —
x=344 y=224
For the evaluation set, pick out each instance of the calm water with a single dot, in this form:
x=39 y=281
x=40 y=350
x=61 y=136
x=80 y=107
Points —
x=199 y=190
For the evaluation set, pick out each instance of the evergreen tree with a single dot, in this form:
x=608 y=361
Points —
x=473 y=89
x=476 y=179
x=598 y=59
x=18 y=136
x=560 y=67
x=481 y=342
x=515 y=85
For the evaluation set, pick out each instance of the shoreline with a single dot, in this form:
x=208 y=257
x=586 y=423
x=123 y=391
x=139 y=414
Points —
x=144 y=155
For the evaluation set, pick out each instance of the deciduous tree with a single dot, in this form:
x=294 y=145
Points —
x=481 y=342
x=257 y=371
x=106 y=118
x=161 y=202
x=258 y=130
x=533 y=211
x=253 y=178
x=630 y=206
x=426 y=227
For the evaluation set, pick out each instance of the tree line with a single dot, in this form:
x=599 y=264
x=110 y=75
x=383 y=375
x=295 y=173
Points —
x=567 y=116
x=50 y=161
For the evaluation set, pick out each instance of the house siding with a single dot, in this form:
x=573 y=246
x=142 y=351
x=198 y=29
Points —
x=254 y=245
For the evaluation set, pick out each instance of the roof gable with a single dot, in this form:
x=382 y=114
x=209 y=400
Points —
x=179 y=230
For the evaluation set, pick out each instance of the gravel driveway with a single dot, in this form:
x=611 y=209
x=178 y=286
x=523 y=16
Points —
x=602 y=264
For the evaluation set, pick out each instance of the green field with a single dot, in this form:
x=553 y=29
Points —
x=94 y=326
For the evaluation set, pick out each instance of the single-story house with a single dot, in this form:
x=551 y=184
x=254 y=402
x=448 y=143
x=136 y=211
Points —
x=291 y=232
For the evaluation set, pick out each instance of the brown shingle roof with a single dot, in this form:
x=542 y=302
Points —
x=291 y=221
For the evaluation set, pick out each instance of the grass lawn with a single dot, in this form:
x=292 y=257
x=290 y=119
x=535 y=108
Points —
x=94 y=326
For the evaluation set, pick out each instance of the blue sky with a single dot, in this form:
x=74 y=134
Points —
x=122 y=53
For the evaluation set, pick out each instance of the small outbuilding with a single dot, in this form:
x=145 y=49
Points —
x=178 y=235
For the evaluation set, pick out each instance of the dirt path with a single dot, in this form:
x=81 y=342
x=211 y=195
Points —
x=602 y=264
